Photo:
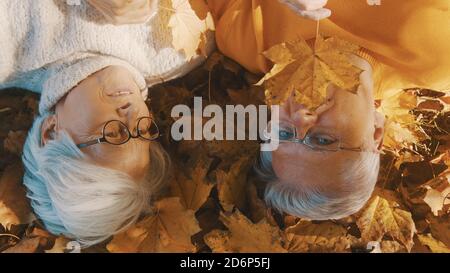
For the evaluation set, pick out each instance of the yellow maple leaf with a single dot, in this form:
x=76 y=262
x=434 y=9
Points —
x=434 y=245
x=231 y=185
x=402 y=128
x=193 y=192
x=397 y=104
x=245 y=237
x=381 y=216
x=169 y=230
x=308 y=72
x=399 y=136
x=189 y=22
x=306 y=236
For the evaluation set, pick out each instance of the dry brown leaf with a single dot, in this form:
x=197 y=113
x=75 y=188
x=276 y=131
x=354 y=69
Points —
x=405 y=157
x=438 y=194
x=432 y=196
x=446 y=102
x=14 y=142
x=14 y=206
x=434 y=245
x=308 y=73
x=430 y=105
x=252 y=96
x=193 y=192
x=217 y=58
x=213 y=60
x=229 y=150
x=231 y=185
x=392 y=247
x=290 y=220
x=306 y=236
x=130 y=240
x=245 y=237
x=257 y=207
x=444 y=158
x=187 y=27
x=346 y=222
x=169 y=230
x=440 y=227
x=383 y=216
x=28 y=245
x=60 y=246
x=419 y=247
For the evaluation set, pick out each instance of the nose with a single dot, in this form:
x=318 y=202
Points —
x=132 y=116
x=130 y=113
x=303 y=118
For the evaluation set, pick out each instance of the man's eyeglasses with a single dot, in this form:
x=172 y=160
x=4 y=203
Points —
x=285 y=132
x=116 y=132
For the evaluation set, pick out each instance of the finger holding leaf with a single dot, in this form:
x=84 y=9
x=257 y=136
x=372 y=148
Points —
x=310 y=9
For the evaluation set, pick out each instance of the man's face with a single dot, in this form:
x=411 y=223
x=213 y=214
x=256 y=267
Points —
x=346 y=118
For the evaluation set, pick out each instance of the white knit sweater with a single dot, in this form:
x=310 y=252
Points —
x=48 y=46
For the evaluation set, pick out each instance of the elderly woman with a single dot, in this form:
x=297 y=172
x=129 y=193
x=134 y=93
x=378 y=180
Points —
x=91 y=163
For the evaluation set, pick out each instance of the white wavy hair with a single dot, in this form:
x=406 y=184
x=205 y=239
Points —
x=357 y=180
x=80 y=200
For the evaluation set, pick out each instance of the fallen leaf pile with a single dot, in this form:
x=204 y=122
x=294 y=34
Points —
x=213 y=202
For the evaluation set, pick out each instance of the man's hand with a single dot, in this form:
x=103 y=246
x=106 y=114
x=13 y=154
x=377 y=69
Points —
x=311 y=9
x=121 y=12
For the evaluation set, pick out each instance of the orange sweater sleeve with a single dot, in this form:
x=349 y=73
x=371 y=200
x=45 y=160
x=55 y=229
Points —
x=408 y=42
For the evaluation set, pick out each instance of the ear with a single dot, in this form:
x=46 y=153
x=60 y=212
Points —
x=378 y=135
x=48 y=129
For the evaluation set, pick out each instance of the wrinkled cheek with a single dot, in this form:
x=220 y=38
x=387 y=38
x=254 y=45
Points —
x=281 y=159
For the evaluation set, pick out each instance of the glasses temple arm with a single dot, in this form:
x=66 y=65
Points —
x=92 y=142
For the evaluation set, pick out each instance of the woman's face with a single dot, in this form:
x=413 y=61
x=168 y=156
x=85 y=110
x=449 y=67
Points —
x=110 y=94
x=349 y=118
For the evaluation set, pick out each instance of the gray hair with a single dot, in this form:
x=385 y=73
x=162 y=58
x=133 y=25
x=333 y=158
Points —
x=81 y=200
x=359 y=179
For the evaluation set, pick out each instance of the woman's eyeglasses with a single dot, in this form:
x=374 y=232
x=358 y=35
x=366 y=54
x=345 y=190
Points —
x=116 y=132
x=286 y=132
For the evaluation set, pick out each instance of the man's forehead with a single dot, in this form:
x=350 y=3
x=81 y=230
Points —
x=295 y=163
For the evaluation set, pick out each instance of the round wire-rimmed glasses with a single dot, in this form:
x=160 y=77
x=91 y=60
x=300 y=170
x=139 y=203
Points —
x=116 y=132
x=284 y=132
